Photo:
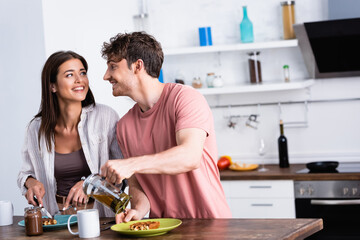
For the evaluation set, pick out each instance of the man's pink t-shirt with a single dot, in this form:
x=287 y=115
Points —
x=194 y=194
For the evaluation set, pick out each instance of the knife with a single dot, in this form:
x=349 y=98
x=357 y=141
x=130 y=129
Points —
x=43 y=210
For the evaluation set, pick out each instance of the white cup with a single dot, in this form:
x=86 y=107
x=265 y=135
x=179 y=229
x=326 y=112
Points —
x=88 y=223
x=6 y=213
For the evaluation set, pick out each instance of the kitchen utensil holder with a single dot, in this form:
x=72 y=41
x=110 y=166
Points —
x=250 y=122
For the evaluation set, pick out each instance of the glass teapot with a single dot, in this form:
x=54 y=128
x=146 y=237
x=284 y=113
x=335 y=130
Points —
x=106 y=193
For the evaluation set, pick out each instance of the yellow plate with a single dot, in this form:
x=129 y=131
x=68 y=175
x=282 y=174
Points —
x=166 y=224
x=243 y=167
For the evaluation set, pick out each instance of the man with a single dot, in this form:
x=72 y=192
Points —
x=167 y=138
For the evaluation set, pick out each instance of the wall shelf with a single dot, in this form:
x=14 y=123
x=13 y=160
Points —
x=252 y=88
x=233 y=47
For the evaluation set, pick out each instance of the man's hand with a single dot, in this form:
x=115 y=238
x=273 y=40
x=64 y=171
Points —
x=76 y=195
x=127 y=216
x=35 y=188
x=116 y=170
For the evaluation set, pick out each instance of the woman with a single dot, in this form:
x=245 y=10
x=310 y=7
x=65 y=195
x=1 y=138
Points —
x=69 y=138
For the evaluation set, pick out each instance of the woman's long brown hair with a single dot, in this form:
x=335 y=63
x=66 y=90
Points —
x=49 y=108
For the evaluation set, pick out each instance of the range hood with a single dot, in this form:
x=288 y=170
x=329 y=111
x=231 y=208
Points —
x=330 y=48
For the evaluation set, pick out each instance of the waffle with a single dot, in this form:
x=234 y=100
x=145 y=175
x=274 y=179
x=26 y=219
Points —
x=47 y=221
x=144 y=225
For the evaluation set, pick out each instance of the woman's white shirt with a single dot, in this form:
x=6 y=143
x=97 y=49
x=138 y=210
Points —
x=97 y=131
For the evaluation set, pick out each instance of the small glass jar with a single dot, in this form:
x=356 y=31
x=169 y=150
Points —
x=210 y=79
x=180 y=78
x=288 y=14
x=197 y=83
x=107 y=194
x=254 y=67
x=286 y=73
x=33 y=221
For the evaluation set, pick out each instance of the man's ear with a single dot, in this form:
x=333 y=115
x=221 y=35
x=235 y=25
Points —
x=139 y=65
x=53 y=87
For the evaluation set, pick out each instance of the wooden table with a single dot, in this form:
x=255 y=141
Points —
x=197 y=229
x=277 y=173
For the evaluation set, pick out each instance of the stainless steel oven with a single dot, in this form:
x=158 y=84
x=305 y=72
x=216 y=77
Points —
x=336 y=202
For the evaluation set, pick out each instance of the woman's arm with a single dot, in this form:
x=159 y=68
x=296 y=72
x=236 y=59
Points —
x=26 y=180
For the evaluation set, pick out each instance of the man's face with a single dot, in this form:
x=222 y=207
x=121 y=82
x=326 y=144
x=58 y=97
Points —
x=120 y=77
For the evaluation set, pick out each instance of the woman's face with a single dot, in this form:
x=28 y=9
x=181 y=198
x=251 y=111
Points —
x=72 y=83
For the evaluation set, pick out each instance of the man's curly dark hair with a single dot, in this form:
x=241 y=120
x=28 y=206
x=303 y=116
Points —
x=134 y=46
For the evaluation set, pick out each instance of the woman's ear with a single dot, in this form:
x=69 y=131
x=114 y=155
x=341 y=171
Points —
x=53 y=88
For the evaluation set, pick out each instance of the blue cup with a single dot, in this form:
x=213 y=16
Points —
x=205 y=36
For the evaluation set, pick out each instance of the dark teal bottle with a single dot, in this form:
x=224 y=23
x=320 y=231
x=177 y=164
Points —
x=246 y=28
x=283 y=150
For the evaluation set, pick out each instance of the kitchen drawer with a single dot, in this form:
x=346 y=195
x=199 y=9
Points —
x=262 y=208
x=259 y=189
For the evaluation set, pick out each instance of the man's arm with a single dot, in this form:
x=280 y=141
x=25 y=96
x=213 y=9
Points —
x=140 y=204
x=182 y=158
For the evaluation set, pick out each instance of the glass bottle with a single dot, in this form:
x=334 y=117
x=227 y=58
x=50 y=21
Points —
x=246 y=28
x=161 y=76
x=254 y=68
x=33 y=221
x=288 y=14
x=286 y=73
x=106 y=193
x=283 y=151
x=210 y=79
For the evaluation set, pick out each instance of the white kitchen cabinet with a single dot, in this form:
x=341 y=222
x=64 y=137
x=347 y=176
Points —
x=260 y=198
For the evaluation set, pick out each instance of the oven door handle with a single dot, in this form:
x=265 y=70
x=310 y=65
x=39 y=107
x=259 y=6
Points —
x=336 y=202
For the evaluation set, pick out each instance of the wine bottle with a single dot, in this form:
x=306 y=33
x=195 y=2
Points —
x=283 y=151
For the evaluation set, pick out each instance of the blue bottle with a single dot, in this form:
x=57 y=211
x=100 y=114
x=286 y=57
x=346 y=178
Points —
x=246 y=28
x=161 y=76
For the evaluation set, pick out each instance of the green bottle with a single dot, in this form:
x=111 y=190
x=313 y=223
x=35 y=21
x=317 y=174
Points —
x=283 y=151
x=246 y=28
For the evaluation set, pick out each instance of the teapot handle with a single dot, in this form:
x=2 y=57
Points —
x=124 y=185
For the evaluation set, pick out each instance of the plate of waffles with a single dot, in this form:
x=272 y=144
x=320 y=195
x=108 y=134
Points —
x=61 y=222
x=147 y=227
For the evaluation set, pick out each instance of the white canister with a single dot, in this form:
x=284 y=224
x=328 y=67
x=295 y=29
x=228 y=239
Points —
x=218 y=82
x=6 y=213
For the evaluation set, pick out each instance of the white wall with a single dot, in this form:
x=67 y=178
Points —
x=22 y=54
x=83 y=26
x=175 y=24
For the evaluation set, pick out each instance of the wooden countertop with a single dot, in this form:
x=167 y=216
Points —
x=269 y=229
x=277 y=173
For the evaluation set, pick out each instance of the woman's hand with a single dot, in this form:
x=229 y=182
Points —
x=127 y=216
x=76 y=196
x=35 y=188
